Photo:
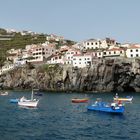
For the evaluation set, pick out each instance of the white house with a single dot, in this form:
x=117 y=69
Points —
x=40 y=51
x=57 y=59
x=69 y=55
x=133 y=51
x=97 y=54
x=81 y=61
x=98 y=43
x=54 y=37
x=19 y=61
x=114 y=52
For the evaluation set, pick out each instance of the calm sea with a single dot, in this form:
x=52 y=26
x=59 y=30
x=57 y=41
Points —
x=56 y=118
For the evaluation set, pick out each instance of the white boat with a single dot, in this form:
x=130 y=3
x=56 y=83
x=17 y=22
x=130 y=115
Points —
x=4 y=93
x=125 y=99
x=28 y=102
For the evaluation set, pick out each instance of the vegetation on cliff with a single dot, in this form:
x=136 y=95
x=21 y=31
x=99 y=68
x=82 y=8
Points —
x=18 y=41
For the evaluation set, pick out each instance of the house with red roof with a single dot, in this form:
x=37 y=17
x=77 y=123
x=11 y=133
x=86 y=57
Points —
x=70 y=53
x=114 y=52
x=98 y=43
x=57 y=59
x=133 y=51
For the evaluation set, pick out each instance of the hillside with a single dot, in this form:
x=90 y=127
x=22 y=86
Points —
x=17 y=40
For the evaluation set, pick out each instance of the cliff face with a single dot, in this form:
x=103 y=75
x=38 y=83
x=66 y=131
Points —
x=103 y=76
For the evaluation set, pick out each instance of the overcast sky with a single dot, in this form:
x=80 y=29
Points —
x=75 y=19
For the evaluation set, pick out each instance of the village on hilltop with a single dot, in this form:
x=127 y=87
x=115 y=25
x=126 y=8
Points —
x=80 y=55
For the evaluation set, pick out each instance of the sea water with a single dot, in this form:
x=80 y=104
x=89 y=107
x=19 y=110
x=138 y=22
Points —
x=57 y=118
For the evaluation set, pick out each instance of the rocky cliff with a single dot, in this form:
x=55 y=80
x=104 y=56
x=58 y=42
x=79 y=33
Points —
x=103 y=76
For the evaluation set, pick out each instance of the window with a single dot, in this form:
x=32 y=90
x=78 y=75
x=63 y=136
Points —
x=79 y=62
x=96 y=43
x=104 y=53
x=136 y=50
x=131 y=50
x=59 y=57
x=87 y=43
x=72 y=52
x=88 y=58
x=85 y=58
x=92 y=43
x=131 y=55
x=99 y=53
x=114 y=52
x=137 y=55
x=120 y=51
x=80 y=59
x=109 y=52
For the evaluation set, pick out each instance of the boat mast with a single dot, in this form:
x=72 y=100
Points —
x=32 y=95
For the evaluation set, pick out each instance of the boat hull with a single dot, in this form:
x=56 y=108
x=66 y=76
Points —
x=79 y=100
x=123 y=99
x=118 y=110
x=14 y=100
x=28 y=103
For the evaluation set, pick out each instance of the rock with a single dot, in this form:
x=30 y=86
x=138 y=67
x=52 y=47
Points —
x=105 y=76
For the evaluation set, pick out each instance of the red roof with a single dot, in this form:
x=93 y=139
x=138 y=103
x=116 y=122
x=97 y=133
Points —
x=115 y=49
x=134 y=47
x=77 y=55
x=82 y=55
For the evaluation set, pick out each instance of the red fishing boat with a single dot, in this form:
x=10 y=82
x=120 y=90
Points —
x=76 y=100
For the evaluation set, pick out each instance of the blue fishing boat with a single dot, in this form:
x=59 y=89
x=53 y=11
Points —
x=14 y=100
x=38 y=94
x=107 y=107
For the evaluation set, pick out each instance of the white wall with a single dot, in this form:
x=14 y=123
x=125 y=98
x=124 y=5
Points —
x=133 y=52
x=82 y=61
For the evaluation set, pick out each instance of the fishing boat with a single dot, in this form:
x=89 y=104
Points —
x=126 y=99
x=38 y=93
x=4 y=93
x=14 y=100
x=28 y=102
x=76 y=100
x=107 y=107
